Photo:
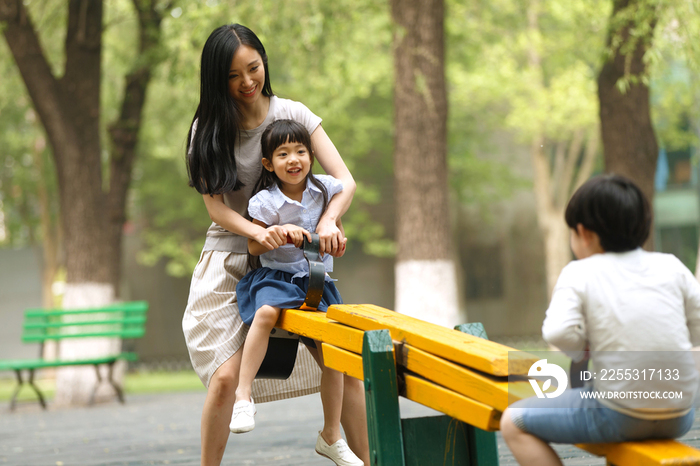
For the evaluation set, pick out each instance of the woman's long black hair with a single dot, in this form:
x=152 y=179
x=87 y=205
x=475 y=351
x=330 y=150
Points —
x=211 y=159
x=278 y=133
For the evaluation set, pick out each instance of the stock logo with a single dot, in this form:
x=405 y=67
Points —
x=543 y=369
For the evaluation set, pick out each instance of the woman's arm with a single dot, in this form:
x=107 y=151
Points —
x=331 y=238
x=268 y=237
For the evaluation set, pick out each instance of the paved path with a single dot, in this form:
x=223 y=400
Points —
x=164 y=429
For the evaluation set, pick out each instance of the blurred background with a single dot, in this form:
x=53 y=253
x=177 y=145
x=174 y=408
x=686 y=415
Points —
x=523 y=130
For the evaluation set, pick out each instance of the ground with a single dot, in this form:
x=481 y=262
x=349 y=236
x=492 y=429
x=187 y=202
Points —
x=164 y=429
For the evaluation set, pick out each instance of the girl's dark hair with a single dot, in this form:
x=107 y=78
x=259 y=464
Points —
x=613 y=207
x=279 y=132
x=211 y=159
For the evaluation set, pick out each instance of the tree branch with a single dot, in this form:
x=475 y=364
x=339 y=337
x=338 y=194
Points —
x=36 y=73
x=592 y=144
x=124 y=131
x=558 y=166
x=567 y=174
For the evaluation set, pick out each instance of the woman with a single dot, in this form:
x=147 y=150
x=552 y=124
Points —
x=224 y=161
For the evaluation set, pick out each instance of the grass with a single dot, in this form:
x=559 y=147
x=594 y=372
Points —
x=134 y=383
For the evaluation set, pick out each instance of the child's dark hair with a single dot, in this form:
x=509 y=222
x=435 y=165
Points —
x=613 y=207
x=211 y=159
x=278 y=133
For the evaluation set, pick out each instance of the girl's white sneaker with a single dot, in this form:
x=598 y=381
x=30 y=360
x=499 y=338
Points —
x=243 y=419
x=340 y=453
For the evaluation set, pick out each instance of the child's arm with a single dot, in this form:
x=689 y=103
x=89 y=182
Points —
x=691 y=301
x=274 y=236
x=227 y=218
x=565 y=325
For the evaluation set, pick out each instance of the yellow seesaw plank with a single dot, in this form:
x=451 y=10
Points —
x=316 y=325
x=489 y=390
x=421 y=391
x=646 y=453
x=467 y=350
x=343 y=361
x=452 y=403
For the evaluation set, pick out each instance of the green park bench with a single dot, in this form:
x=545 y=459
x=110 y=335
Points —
x=457 y=372
x=122 y=320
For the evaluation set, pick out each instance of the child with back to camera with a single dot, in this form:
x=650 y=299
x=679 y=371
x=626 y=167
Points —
x=615 y=300
x=287 y=194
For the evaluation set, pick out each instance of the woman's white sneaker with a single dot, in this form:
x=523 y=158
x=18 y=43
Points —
x=339 y=452
x=243 y=419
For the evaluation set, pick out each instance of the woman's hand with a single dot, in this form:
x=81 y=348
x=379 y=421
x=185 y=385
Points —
x=341 y=249
x=297 y=233
x=331 y=238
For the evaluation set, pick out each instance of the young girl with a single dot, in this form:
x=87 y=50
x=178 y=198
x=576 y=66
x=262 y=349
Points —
x=636 y=311
x=288 y=194
x=236 y=104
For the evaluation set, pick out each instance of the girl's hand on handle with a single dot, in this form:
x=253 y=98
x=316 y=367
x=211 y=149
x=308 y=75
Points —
x=330 y=237
x=297 y=233
x=272 y=237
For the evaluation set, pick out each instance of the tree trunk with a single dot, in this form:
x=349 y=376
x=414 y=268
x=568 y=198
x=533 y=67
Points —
x=50 y=238
x=629 y=142
x=69 y=109
x=124 y=132
x=426 y=285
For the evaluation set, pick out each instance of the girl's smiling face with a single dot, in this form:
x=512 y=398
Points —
x=291 y=162
x=246 y=76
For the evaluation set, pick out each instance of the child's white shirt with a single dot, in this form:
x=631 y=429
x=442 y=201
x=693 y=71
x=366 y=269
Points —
x=626 y=302
x=272 y=207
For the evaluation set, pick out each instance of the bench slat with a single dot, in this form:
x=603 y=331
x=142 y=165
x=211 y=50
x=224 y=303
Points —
x=452 y=403
x=646 y=453
x=129 y=321
x=24 y=364
x=462 y=348
x=130 y=307
x=125 y=334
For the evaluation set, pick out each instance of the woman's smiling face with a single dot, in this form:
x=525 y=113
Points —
x=246 y=76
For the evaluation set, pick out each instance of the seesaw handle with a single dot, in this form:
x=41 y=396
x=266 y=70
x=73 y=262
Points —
x=317 y=271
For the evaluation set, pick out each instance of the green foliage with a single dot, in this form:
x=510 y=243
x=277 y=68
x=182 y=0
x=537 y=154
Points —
x=555 y=99
x=674 y=64
x=336 y=57
x=22 y=140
